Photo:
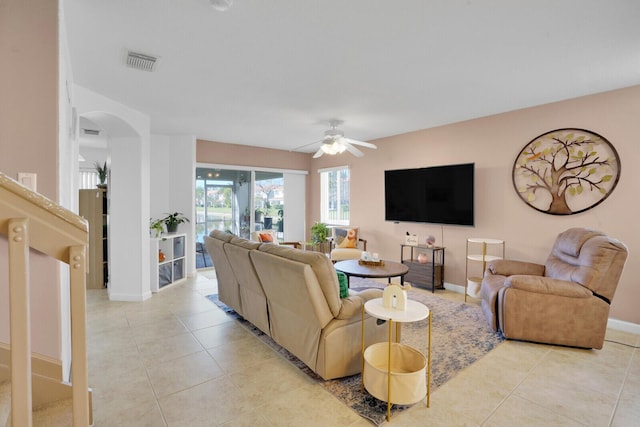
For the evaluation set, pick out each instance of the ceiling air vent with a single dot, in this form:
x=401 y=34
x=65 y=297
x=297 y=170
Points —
x=140 y=61
x=92 y=132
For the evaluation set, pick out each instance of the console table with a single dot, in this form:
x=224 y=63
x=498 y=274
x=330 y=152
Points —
x=426 y=265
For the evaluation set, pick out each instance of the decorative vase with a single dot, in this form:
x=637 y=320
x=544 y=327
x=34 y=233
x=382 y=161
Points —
x=430 y=241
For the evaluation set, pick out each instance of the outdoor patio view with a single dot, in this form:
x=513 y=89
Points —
x=238 y=201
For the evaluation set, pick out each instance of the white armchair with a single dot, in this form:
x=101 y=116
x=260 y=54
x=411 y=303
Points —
x=270 y=236
x=346 y=244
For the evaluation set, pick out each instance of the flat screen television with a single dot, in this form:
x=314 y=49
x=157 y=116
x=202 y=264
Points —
x=438 y=194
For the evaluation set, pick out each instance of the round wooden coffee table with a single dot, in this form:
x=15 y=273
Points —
x=389 y=269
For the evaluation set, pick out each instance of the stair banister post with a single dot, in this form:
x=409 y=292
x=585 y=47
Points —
x=20 y=330
x=79 y=368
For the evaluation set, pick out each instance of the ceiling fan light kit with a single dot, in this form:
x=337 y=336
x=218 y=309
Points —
x=221 y=5
x=333 y=148
x=335 y=143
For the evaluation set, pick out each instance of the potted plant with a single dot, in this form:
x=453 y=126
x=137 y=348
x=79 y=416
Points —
x=259 y=215
x=102 y=174
x=281 y=221
x=156 y=227
x=171 y=221
x=268 y=216
x=319 y=232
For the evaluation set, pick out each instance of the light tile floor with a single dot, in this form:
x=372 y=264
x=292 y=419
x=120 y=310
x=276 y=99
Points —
x=178 y=360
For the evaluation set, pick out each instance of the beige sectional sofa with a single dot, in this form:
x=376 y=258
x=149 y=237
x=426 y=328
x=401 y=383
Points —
x=293 y=296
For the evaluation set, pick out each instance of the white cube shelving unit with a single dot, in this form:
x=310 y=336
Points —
x=171 y=269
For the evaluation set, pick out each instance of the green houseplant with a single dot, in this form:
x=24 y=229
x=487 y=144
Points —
x=319 y=233
x=171 y=221
x=102 y=173
x=156 y=227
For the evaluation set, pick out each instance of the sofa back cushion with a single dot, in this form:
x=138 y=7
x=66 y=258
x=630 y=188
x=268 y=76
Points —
x=321 y=266
x=252 y=297
x=228 y=288
x=297 y=307
x=587 y=257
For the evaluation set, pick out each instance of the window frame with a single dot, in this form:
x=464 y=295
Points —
x=325 y=209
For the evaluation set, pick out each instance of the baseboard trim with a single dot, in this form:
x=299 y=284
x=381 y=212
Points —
x=129 y=297
x=40 y=364
x=624 y=326
x=454 y=288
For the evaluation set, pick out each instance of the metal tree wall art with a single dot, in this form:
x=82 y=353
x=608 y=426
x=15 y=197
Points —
x=566 y=171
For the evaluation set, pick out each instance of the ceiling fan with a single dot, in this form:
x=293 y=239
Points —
x=334 y=142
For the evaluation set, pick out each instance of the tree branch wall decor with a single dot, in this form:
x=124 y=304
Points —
x=566 y=171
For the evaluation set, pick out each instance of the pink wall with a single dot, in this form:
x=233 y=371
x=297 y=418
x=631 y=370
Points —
x=29 y=142
x=493 y=144
x=243 y=155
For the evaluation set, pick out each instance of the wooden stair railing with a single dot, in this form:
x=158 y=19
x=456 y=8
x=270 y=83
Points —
x=30 y=220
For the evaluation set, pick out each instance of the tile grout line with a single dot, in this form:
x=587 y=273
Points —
x=515 y=387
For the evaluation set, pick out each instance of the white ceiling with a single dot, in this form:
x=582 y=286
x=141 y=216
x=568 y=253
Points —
x=273 y=72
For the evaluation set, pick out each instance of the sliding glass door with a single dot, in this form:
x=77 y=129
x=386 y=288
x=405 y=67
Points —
x=268 y=202
x=240 y=201
x=223 y=198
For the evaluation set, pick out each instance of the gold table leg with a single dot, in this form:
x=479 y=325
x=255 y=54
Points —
x=429 y=361
x=362 y=371
x=389 y=372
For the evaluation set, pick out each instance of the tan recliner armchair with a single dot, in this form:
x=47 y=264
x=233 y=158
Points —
x=565 y=301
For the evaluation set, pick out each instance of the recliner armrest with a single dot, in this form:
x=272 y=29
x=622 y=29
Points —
x=508 y=267
x=352 y=305
x=367 y=294
x=548 y=286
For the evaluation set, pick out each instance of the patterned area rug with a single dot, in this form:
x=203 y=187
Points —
x=461 y=336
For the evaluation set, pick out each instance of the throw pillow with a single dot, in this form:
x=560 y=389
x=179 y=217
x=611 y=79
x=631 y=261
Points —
x=346 y=237
x=266 y=238
x=344 y=284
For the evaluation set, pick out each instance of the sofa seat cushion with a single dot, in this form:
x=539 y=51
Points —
x=341 y=254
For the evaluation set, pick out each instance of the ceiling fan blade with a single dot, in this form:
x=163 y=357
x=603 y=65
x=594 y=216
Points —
x=361 y=143
x=353 y=150
x=306 y=145
x=319 y=153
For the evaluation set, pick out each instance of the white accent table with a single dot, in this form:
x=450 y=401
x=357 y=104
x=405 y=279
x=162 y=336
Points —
x=484 y=256
x=414 y=312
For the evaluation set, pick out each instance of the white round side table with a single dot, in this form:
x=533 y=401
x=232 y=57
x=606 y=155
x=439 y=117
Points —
x=414 y=312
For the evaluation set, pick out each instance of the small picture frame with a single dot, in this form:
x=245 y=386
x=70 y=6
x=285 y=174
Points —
x=411 y=240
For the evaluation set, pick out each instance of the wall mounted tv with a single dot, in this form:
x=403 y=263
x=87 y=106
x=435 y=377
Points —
x=438 y=194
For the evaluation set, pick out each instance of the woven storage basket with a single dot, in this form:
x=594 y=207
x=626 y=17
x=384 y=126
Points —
x=408 y=373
